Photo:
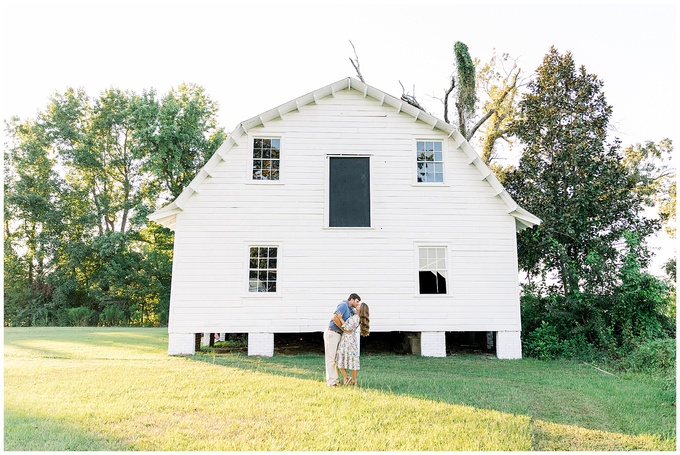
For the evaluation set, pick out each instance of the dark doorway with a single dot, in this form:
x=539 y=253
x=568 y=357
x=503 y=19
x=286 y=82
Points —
x=349 y=192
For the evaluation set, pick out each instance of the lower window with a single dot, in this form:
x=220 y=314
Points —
x=262 y=269
x=432 y=270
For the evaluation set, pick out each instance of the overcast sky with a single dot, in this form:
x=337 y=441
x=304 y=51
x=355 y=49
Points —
x=252 y=56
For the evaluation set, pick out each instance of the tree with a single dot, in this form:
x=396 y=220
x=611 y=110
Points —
x=180 y=134
x=80 y=180
x=464 y=87
x=500 y=86
x=572 y=178
x=587 y=287
x=32 y=223
x=651 y=166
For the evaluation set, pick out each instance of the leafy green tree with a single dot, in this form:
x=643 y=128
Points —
x=101 y=154
x=572 y=178
x=587 y=289
x=32 y=223
x=80 y=180
x=181 y=134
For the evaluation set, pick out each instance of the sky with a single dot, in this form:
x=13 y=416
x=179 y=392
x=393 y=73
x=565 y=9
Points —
x=251 y=56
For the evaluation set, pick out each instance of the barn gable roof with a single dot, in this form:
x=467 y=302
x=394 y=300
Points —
x=166 y=215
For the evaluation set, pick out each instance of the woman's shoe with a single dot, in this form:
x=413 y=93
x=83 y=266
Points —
x=348 y=381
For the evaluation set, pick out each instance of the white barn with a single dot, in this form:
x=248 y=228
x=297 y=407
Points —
x=345 y=189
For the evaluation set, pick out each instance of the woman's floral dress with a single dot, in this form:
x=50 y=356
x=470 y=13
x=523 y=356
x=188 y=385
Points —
x=348 y=349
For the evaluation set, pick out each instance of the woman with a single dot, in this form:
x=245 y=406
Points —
x=347 y=357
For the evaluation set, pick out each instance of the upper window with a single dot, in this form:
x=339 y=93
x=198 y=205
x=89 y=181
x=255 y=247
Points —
x=432 y=270
x=430 y=162
x=266 y=158
x=262 y=269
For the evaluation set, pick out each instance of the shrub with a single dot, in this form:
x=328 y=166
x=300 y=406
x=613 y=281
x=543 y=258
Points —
x=544 y=343
x=79 y=317
x=653 y=356
x=112 y=316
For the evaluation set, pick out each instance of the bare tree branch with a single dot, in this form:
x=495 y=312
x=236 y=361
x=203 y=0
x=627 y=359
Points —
x=447 y=92
x=355 y=63
x=410 y=99
x=481 y=121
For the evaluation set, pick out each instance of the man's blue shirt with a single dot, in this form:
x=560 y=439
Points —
x=344 y=311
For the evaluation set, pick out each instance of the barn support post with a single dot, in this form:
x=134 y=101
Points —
x=181 y=344
x=508 y=345
x=261 y=344
x=433 y=344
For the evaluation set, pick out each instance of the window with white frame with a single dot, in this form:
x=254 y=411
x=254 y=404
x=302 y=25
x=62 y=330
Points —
x=262 y=269
x=432 y=270
x=429 y=162
x=266 y=158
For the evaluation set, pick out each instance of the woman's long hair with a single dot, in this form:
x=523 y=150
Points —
x=364 y=320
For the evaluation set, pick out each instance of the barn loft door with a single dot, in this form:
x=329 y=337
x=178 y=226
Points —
x=349 y=192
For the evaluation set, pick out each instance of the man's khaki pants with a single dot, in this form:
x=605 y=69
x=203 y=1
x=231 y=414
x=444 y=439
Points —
x=331 y=340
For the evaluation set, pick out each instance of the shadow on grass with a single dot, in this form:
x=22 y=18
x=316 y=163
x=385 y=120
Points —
x=24 y=432
x=59 y=342
x=564 y=393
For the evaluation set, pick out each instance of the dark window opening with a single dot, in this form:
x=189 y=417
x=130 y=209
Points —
x=432 y=283
x=432 y=270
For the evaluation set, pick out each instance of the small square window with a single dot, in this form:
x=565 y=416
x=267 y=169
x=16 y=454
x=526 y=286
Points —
x=429 y=162
x=266 y=159
x=262 y=269
x=432 y=275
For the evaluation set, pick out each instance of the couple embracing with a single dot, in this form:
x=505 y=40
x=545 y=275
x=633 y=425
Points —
x=340 y=341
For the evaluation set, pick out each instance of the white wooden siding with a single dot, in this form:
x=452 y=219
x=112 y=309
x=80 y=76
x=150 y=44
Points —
x=319 y=266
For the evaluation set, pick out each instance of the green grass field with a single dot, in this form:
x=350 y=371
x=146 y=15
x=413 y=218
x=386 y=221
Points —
x=89 y=389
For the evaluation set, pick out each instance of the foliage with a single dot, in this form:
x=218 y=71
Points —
x=588 y=291
x=544 y=343
x=78 y=317
x=638 y=308
x=653 y=356
x=466 y=98
x=651 y=166
x=500 y=85
x=80 y=180
x=571 y=178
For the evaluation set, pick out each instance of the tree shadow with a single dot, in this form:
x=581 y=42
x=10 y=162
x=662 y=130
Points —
x=547 y=392
x=27 y=432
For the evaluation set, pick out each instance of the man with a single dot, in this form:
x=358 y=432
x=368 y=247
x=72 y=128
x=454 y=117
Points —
x=333 y=334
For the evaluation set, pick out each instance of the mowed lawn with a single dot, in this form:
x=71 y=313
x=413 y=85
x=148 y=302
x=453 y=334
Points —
x=91 y=389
